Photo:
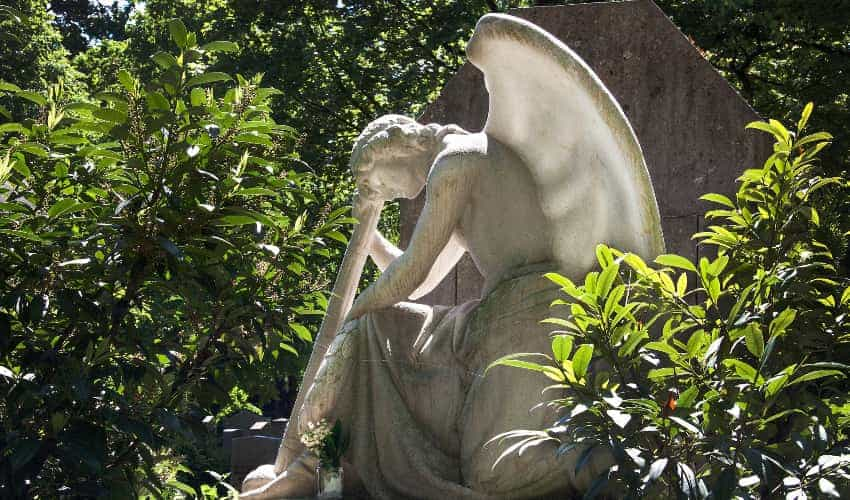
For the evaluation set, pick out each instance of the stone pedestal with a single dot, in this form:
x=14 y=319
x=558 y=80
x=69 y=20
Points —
x=688 y=119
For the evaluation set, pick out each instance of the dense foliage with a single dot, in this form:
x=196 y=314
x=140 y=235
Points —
x=340 y=64
x=32 y=54
x=735 y=386
x=153 y=243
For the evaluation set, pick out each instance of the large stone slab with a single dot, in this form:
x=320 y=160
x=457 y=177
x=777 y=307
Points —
x=688 y=119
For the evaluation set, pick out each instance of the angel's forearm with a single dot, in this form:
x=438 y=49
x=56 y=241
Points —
x=383 y=252
x=395 y=285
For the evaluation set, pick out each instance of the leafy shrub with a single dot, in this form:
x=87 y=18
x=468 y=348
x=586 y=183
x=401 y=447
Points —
x=155 y=253
x=733 y=387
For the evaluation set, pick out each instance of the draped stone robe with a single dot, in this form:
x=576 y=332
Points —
x=408 y=382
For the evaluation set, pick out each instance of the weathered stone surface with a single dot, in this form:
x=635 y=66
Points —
x=689 y=121
x=248 y=453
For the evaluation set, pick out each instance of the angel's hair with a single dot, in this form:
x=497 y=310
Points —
x=391 y=135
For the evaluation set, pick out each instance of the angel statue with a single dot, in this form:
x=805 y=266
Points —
x=556 y=170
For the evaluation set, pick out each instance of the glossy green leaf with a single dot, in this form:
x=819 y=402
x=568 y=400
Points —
x=677 y=261
x=562 y=346
x=817 y=374
x=718 y=198
x=32 y=97
x=207 y=78
x=220 y=46
x=581 y=359
x=165 y=60
x=178 y=32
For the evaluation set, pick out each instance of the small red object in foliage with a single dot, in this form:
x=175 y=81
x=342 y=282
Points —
x=670 y=405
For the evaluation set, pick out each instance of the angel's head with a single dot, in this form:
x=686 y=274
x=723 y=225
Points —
x=393 y=155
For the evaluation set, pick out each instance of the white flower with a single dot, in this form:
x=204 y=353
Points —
x=315 y=435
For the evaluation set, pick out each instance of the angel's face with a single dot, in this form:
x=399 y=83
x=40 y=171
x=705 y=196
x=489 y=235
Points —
x=394 y=176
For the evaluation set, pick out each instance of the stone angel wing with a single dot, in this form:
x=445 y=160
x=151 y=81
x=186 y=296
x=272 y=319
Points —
x=550 y=108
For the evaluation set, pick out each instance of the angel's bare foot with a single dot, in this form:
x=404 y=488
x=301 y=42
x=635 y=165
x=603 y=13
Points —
x=298 y=480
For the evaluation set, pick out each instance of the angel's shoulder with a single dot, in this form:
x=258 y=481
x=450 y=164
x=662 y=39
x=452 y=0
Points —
x=460 y=154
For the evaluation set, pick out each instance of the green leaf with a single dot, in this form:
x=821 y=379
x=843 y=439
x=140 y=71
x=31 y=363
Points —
x=754 y=340
x=718 y=198
x=604 y=255
x=165 y=60
x=845 y=296
x=817 y=374
x=13 y=127
x=156 y=100
x=672 y=260
x=9 y=87
x=631 y=342
x=209 y=77
x=66 y=206
x=21 y=167
x=220 y=46
x=816 y=137
x=613 y=300
x=688 y=398
x=22 y=234
x=662 y=346
x=804 y=117
x=565 y=283
x=784 y=135
x=781 y=322
x=32 y=97
x=178 y=32
x=127 y=80
x=660 y=373
x=302 y=332
x=511 y=359
x=198 y=97
x=742 y=369
x=606 y=279
x=581 y=359
x=562 y=346
x=235 y=220
x=261 y=140
x=713 y=289
x=33 y=148
x=110 y=115
x=781 y=414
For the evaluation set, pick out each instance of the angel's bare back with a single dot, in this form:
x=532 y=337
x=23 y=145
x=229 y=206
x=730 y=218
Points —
x=502 y=225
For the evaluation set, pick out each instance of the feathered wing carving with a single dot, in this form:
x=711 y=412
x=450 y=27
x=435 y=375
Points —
x=550 y=108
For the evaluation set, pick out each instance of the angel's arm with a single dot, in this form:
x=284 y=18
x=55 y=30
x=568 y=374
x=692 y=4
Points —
x=447 y=194
x=383 y=253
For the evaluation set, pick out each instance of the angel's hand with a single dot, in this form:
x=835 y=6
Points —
x=360 y=306
x=364 y=203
